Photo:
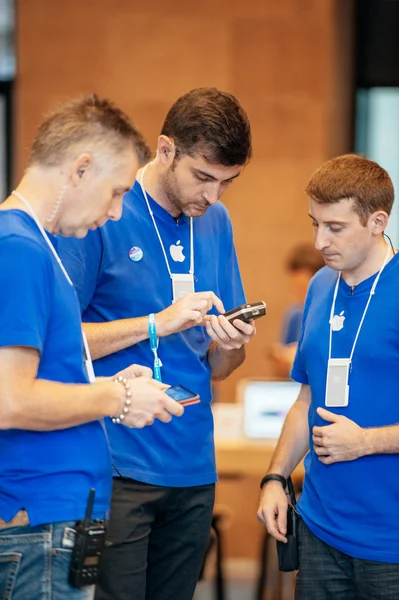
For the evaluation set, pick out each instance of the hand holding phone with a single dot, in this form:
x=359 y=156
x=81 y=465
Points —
x=183 y=395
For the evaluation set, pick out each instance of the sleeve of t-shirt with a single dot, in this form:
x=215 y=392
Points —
x=233 y=292
x=82 y=260
x=27 y=281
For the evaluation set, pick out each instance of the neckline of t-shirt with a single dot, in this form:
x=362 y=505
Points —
x=365 y=286
x=29 y=219
x=158 y=210
x=18 y=211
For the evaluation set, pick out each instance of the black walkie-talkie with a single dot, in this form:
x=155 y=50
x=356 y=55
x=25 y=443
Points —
x=89 y=544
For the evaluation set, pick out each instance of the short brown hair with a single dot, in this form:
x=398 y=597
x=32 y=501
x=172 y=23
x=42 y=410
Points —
x=212 y=123
x=353 y=177
x=304 y=256
x=84 y=122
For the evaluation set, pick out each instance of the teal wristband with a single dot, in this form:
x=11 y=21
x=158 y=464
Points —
x=154 y=342
x=152 y=332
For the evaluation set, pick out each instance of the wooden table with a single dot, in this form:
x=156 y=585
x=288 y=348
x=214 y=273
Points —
x=242 y=457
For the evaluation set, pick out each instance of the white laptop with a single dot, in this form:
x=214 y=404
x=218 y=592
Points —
x=265 y=406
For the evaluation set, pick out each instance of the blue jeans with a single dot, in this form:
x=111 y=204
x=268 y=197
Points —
x=35 y=562
x=328 y=574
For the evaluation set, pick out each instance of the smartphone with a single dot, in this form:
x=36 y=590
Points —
x=246 y=312
x=182 y=395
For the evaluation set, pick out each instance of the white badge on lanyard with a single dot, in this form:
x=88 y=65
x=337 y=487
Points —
x=337 y=383
x=182 y=283
x=337 y=386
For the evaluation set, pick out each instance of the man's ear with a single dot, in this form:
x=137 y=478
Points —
x=80 y=166
x=378 y=222
x=165 y=150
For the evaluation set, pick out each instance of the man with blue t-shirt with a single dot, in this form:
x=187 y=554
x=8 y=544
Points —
x=53 y=447
x=170 y=257
x=347 y=411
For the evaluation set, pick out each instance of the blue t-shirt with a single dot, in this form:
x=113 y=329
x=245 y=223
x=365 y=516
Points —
x=292 y=324
x=111 y=286
x=353 y=506
x=49 y=473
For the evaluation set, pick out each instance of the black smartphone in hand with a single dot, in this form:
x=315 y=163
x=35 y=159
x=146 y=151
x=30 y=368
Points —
x=247 y=312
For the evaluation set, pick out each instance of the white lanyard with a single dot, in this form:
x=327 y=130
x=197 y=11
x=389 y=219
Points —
x=372 y=291
x=87 y=357
x=191 y=271
x=44 y=234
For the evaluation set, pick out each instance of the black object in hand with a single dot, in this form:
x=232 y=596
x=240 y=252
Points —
x=288 y=553
x=247 y=312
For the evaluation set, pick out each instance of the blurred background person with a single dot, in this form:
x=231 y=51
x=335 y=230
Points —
x=302 y=263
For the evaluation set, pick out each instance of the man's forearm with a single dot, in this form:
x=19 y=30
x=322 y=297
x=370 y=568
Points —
x=107 y=338
x=46 y=405
x=381 y=440
x=224 y=362
x=294 y=439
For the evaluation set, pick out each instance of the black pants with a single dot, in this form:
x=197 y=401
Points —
x=156 y=541
x=328 y=574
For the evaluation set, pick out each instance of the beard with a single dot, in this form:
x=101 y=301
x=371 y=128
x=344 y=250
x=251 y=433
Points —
x=171 y=190
x=175 y=196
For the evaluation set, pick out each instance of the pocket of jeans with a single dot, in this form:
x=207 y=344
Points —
x=63 y=553
x=60 y=568
x=9 y=566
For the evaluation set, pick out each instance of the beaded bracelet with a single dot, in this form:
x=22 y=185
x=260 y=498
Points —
x=126 y=407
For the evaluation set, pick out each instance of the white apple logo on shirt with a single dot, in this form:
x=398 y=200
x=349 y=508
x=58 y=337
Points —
x=176 y=252
x=338 y=321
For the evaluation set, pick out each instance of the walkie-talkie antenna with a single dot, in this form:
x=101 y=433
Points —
x=89 y=507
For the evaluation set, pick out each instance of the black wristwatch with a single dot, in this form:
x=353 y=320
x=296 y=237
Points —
x=273 y=477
